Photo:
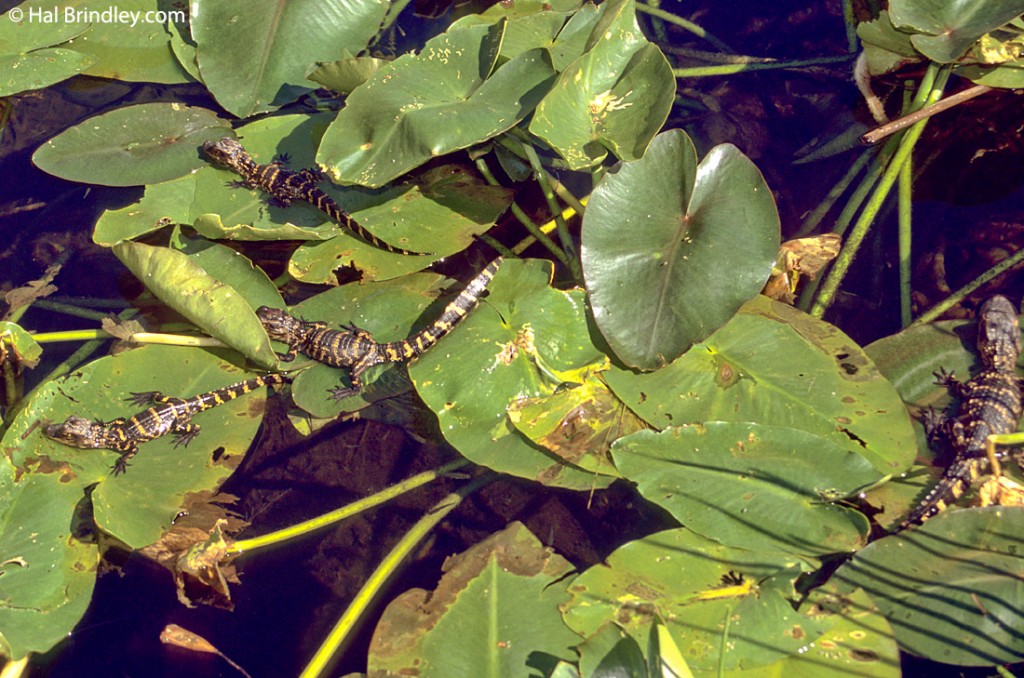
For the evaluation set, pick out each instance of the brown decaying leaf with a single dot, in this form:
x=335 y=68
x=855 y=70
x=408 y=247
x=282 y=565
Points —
x=121 y=329
x=185 y=639
x=35 y=289
x=803 y=257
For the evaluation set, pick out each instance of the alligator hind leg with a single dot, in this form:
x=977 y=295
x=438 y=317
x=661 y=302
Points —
x=185 y=433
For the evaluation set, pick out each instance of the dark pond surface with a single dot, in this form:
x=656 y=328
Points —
x=969 y=196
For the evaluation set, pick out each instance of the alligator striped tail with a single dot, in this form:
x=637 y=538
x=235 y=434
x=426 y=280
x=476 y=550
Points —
x=222 y=395
x=955 y=482
x=454 y=312
x=328 y=206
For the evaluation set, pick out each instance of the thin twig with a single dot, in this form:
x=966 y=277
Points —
x=879 y=133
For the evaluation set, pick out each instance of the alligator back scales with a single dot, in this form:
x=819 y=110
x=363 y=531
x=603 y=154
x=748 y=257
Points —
x=355 y=348
x=990 y=404
x=166 y=415
x=286 y=186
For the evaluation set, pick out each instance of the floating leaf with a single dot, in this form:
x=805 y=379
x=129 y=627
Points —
x=772 y=364
x=142 y=144
x=751 y=485
x=614 y=97
x=130 y=40
x=945 y=29
x=497 y=603
x=528 y=340
x=231 y=268
x=578 y=424
x=46 y=574
x=215 y=307
x=28 y=58
x=694 y=585
x=247 y=81
x=951 y=588
x=421 y=106
x=27 y=350
x=671 y=249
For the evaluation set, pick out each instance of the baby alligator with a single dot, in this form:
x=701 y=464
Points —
x=990 y=404
x=285 y=186
x=355 y=348
x=166 y=415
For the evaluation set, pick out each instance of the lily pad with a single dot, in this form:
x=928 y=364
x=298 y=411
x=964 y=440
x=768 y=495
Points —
x=776 y=365
x=28 y=56
x=142 y=144
x=950 y=588
x=497 y=603
x=615 y=97
x=129 y=41
x=945 y=29
x=449 y=96
x=671 y=249
x=47 y=574
x=246 y=81
x=526 y=340
x=695 y=585
x=214 y=306
x=751 y=485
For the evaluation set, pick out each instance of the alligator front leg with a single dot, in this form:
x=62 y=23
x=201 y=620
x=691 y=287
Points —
x=185 y=433
x=121 y=465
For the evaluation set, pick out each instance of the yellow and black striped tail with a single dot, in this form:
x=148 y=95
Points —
x=955 y=482
x=328 y=206
x=222 y=395
x=454 y=312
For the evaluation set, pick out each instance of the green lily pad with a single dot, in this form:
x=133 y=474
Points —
x=246 y=81
x=885 y=48
x=27 y=350
x=526 y=340
x=137 y=506
x=47 y=575
x=497 y=603
x=344 y=75
x=612 y=652
x=578 y=424
x=214 y=306
x=131 y=41
x=945 y=29
x=447 y=97
x=142 y=144
x=28 y=58
x=671 y=249
x=231 y=268
x=951 y=588
x=693 y=585
x=751 y=485
x=776 y=365
x=615 y=97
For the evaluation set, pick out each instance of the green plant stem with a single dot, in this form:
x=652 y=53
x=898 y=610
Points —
x=320 y=663
x=959 y=295
x=850 y=23
x=497 y=246
x=731 y=69
x=71 y=335
x=842 y=222
x=525 y=220
x=556 y=212
x=815 y=217
x=301 y=529
x=906 y=146
x=684 y=24
x=725 y=642
x=905 y=197
x=83 y=351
